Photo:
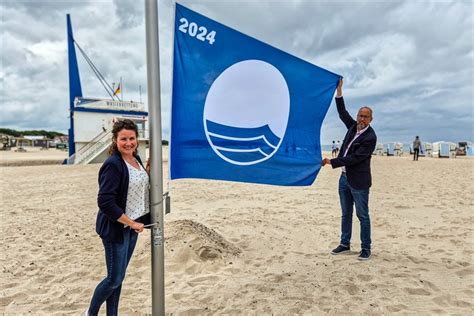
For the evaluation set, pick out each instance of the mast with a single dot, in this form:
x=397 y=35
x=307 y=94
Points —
x=75 y=89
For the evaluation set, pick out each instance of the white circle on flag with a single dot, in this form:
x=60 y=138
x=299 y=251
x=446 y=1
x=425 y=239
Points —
x=246 y=112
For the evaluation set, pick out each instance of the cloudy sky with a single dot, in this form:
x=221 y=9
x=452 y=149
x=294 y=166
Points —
x=411 y=61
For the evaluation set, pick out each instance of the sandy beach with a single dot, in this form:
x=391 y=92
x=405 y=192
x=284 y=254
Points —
x=33 y=156
x=236 y=248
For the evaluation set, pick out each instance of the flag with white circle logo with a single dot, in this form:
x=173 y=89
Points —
x=243 y=110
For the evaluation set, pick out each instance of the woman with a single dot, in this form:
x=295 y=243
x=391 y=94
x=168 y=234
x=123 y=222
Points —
x=123 y=211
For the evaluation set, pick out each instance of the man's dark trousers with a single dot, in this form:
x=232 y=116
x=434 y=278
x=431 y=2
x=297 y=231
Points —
x=350 y=196
x=416 y=153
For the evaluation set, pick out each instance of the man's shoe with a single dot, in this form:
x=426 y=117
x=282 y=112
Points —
x=340 y=249
x=364 y=254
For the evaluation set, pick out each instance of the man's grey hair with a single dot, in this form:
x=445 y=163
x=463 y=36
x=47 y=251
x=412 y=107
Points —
x=370 y=110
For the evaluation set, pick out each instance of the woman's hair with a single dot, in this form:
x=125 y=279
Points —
x=118 y=126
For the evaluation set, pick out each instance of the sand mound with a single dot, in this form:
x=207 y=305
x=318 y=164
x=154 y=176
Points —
x=204 y=242
x=191 y=248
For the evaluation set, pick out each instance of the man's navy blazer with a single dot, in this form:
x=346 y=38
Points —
x=112 y=198
x=357 y=160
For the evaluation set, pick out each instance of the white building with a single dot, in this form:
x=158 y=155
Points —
x=92 y=127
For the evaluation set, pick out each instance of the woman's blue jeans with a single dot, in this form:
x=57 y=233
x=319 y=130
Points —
x=117 y=257
x=348 y=197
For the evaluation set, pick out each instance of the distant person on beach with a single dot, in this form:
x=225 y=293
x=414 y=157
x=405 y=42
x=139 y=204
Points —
x=334 y=149
x=355 y=181
x=123 y=211
x=416 y=148
x=338 y=146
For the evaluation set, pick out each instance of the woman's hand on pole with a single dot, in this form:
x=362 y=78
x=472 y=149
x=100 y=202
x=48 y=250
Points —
x=138 y=227
x=124 y=219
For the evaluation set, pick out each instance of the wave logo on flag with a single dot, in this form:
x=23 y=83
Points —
x=247 y=128
x=243 y=110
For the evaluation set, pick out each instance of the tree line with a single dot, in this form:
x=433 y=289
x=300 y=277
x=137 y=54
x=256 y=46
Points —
x=15 y=133
x=48 y=134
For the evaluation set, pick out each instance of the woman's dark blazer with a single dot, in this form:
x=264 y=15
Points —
x=112 y=198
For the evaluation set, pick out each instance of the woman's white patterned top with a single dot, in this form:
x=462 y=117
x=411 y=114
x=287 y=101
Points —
x=138 y=192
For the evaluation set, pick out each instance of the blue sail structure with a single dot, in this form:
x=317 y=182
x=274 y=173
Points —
x=75 y=89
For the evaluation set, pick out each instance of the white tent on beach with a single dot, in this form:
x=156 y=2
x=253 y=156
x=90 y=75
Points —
x=444 y=150
x=393 y=149
x=465 y=148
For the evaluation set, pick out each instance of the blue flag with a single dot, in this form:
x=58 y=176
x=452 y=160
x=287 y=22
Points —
x=243 y=110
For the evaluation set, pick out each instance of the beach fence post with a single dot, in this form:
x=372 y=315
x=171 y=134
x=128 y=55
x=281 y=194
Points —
x=156 y=172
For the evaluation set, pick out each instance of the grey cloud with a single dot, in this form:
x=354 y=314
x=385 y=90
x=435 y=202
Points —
x=130 y=13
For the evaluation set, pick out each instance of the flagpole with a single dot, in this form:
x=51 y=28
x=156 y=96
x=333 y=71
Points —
x=156 y=172
x=121 y=89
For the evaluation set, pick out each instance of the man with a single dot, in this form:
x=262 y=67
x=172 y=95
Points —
x=334 y=149
x=416 y=148
x=355 y=181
